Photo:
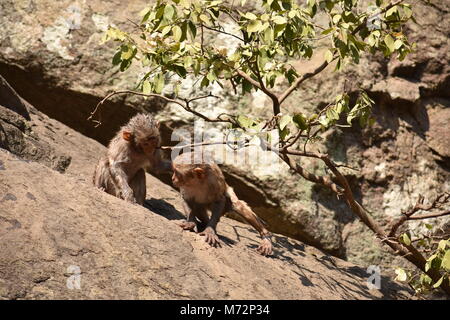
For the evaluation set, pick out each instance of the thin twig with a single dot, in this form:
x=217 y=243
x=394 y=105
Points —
x=185 y=104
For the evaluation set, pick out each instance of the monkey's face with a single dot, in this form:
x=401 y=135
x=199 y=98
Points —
x=148 y=143
x=177 y=178
x=186 y=179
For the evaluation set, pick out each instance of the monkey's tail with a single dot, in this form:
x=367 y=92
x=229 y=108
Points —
x=240 y=206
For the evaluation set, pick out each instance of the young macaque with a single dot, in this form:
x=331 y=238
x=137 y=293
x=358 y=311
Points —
x=203 y=187
x=134 y=148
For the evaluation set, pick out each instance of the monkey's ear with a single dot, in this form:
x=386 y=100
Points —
x=126 y=135
x=157 y=124
x=200 y=173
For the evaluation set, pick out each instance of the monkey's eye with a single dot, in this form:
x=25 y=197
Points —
x=151 y=138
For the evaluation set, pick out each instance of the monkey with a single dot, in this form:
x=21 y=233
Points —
x=203 y=187
x=134 y=148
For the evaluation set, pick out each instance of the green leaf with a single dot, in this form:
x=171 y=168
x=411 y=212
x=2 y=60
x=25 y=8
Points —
x=300 y=121
x=244 y=122
x=371 y=40
x=177 y=33
x=192 y=29
x=169 y=12
x=246 y=86
x=327 y=31
x=159 y=83
x=125 y=64
x=146 y=87
x=205 y=19
x=117 y=58
x=389 y=43
x=279 y=20
x=404 y=238
x=401 y=275
x=425 y=279
x=284 y=121
x=127 y=52
x=250 y=16
x=391 y=11
x=438 y=283
x=328 y=56
x=268 y=35
x=187 y=61
x=397 y=44
x=165 y=30
x=408 y=12
x=446 y=260
x=427 y=266
x=204 y=83
x=336 y=18
x=442 y=244
x=284 y=133
x=254 y=26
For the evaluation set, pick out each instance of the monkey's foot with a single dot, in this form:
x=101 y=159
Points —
x=129 y=198
x=211 y=237
x=265 y=247
x=187 y=225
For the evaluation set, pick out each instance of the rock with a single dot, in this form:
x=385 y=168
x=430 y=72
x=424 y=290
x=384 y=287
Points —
x=438 y=134
x=50 y=52
x=17 y=136
x=62 y=238
x=398 y=88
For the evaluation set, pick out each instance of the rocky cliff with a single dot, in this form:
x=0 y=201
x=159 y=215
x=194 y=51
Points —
x=50 y=53
x=61 y=238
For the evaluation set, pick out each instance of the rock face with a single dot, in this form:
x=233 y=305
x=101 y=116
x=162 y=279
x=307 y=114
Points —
x=16 y=134
x=61 y=238
x=50 y=53
x=54 y=228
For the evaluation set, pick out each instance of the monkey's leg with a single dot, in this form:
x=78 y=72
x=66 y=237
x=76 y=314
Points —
x=137 y=184
x=217 y=210
x=242 y=208
x=120 y=180
x=189 y=223
x=202 y=214
x=100 y=174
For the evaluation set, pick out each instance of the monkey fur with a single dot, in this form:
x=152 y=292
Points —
x=135 y=148
x=203 y=188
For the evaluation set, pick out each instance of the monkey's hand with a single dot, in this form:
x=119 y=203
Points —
x=211 y=237
x=131 y=199
x=187 y=225
x=265 y=247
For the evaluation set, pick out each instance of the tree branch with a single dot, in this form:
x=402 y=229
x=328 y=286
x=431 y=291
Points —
x=224 y=32
x=185 y=104
x=440 y=200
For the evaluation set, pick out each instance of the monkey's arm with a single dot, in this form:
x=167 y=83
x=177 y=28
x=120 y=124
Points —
x=217 y=210
x=120 y=179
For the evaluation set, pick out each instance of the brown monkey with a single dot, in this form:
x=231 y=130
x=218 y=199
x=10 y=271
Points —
x=203 y=187
x=134 y=148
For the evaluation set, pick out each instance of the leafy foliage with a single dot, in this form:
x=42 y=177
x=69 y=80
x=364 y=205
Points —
x=171 y=40
x=439 y=260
